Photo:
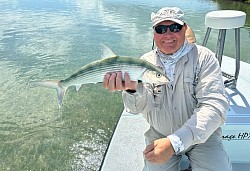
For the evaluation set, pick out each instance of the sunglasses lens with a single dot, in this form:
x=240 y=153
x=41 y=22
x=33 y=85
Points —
x=161 y=29
x=175 y=28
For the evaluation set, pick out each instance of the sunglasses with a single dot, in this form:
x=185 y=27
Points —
x=174 y=28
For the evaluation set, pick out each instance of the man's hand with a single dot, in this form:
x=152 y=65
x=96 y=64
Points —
x=159 y=151
x=114 y=82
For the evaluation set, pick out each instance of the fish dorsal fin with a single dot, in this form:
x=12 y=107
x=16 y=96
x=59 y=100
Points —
x=107 y=52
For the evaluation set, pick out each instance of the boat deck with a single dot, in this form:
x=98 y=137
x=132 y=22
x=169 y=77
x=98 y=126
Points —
x=127 y=145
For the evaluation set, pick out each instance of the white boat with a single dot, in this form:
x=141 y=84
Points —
x=125 y=151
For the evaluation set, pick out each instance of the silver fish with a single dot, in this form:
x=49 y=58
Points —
x=138 y=69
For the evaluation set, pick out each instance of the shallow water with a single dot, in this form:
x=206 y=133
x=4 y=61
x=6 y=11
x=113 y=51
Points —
x=51 y=39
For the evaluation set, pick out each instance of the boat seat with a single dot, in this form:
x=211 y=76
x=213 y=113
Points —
x=223 y=20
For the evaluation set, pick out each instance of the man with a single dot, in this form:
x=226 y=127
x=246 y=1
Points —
x=185 y=114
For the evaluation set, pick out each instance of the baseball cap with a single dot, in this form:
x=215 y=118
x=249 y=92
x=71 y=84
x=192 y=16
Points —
x=168 y=13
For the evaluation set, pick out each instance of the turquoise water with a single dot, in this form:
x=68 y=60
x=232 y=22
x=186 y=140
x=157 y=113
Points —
x=46 y=39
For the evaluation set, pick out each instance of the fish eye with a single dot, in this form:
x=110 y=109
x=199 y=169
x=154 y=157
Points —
x=158 y=75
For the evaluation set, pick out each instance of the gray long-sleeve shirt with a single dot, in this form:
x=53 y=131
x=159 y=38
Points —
x=192 y=109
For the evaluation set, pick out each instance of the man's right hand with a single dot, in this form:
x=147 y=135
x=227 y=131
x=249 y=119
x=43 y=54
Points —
x=113 y=82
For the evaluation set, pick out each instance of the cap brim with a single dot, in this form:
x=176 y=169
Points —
x=169 y=19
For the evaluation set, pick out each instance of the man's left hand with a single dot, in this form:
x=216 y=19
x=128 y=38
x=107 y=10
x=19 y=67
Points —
x=160 y=151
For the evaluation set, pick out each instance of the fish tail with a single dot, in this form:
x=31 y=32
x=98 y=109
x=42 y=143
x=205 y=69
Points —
x=56 y=85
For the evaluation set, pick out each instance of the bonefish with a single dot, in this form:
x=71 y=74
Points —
x=138 y=69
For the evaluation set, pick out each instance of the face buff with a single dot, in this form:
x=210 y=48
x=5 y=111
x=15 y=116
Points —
x=169 y=61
